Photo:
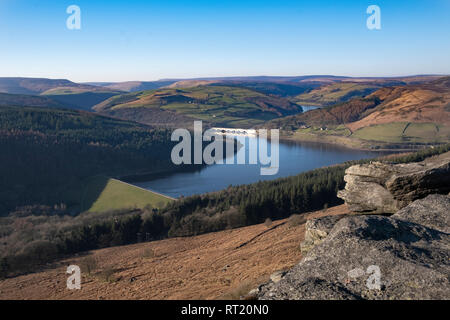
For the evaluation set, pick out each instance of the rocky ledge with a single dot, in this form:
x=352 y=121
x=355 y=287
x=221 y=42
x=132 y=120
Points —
x=317 y=230
x=385 y=188
x=405 y=256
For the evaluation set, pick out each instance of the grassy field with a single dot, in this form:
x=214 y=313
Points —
x=390 y=132
x=105 y=194
x=382 y=136
x=311 y=136
x=340 y=130
x=401 y=132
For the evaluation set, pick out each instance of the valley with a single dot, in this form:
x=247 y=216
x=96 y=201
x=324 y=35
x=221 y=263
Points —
x=398 y=117
x=68 y=210
x=232 y=150
x=250 y=102
x=61 y=149
x=216 y=105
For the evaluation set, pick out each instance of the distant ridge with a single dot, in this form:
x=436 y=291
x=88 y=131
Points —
x=59 y=92
x=304 y=90
x=37 y=86
x=133 y=86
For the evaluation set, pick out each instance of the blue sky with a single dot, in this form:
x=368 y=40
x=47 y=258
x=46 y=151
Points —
x=149 y=40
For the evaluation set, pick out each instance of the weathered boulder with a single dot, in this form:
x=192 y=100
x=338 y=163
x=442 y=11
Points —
x=405 y=256
x=432 y=212
x=386 y=188
x=316 y=230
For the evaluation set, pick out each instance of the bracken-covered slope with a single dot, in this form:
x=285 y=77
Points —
x=336 y=93
x=225 y=264
x=415 y=103
x=374 y=257
x=216 y=105
x=341 y=90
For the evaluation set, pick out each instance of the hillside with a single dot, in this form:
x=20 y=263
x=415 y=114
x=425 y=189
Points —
x=80 y=98
x=48 y=154
x=133 y=86
x=37 y=86
x=398 y=115
x=320 y=79
x=22 y=100
x=307 y=90
x=32 y=86
x=282 y=89
x=36 y=236
x=69 y=94
x=340 y=90
x=336 y=93
x=216 y=105
x=416 y=103
x=277 y=88
x=221 y=265
x=393 y=246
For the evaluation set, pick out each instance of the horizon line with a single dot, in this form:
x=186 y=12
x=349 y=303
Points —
x=237 y=77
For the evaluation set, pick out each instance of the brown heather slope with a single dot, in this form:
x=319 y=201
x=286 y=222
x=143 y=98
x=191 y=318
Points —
x=415 y=103
x=342 y=113
x=217 y=265
x=333 y=93
x=392 y=117
x=412 y=103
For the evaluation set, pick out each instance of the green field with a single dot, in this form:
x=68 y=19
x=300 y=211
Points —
x=105 y=194
x=339 y=130
x=405 y=132
x=376 y=136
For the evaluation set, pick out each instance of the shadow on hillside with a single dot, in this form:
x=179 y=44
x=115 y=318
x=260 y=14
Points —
x=91 y=191
x=82 y=101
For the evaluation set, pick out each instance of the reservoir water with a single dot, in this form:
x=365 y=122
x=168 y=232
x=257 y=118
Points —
x=294 y=158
